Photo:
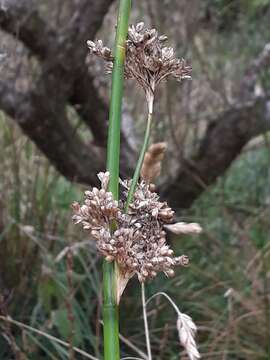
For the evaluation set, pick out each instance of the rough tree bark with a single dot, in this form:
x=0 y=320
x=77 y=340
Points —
x=224 y=139
x=64 y=80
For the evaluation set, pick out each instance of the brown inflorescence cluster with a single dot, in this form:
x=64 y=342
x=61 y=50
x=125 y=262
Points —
x=148 y=60
x=151 y=167
x=135 y=239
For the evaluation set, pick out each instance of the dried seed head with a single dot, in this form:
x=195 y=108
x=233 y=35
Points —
x=170 y=273
x=99 y=208
x=138 y=243
x=151 y=167
x=186 y=332
x=146 y=204
x=98 y=49
x=182 y=260
x=184 y=228
x=147 y=59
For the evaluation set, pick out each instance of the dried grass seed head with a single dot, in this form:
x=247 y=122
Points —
x=151 y=167
x=99 y=208
x=148 y=60
x=139 y=242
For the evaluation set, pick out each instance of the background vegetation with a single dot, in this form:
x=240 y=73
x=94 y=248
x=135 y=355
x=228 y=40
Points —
x=50 y=274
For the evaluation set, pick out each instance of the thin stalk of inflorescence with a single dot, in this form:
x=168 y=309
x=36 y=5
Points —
x=132 y=189
x=110 y=307
x=135 y=179
x=131 y=192
x=140 y=162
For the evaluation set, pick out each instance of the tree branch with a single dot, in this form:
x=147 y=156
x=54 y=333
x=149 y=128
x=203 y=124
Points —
x=65 y=77
x=45 y=122
x=88 y=103
x=224 y=139
x=252 y=72
x=22 y=19
x=63 y=53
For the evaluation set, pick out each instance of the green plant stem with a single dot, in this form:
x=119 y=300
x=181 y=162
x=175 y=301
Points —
x=110 y=307
x=140 y=161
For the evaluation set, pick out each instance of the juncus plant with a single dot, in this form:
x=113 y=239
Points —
x=130 y=231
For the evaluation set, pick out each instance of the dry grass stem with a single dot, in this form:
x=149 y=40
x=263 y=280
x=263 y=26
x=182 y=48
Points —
x=146 y=328
x=48 y=336
x=186 y=328
x=133 y=347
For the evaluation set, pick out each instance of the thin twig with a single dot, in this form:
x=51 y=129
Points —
x=133 y=347
x=48 y=336
x=167 y=297
x=7 y=333
x=141 y=158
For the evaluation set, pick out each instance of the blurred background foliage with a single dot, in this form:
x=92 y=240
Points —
x=50 y=272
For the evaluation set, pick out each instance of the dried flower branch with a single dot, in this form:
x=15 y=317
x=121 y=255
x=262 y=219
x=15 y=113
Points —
x=186 y=332
x=185 y=326
x=151 y=166
x=148 y=60
x=184 y=228
x=138 y=243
